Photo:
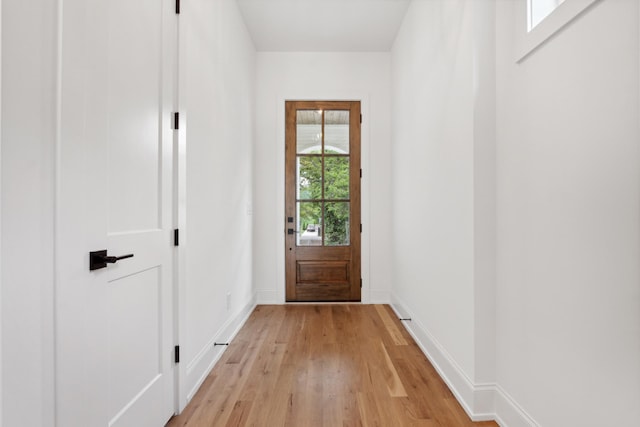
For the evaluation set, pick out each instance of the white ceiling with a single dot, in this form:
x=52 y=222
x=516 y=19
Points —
x=323 y=25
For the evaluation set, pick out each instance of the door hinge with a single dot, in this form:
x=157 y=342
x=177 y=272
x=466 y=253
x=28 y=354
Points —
x=176 y=121
x=176 y=354
x=361 y=282
x=360 y=118
x=177 y=7
x=176 y=237
x=361 y=227
x=360 y=173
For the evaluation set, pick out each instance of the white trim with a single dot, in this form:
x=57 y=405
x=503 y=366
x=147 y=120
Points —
x=451 y=373
x=530 y=11
x=1 y=139
x=365 y=206
x=180 y=213
x=509 y=412
x=379 y=297
x=268 y=297
x=481 y=402
x=142 y=394
x=181 y=147
x=528 y=41
x=365 y=197
x=199 y=368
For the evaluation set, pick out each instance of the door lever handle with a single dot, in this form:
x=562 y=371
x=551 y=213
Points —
x=292 y=231
x=100 y=259
x=114 y=259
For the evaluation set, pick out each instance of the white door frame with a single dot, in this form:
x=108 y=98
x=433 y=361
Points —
x=1 y=381
x=180 y=217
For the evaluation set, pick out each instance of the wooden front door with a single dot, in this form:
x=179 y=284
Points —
x=322 y=201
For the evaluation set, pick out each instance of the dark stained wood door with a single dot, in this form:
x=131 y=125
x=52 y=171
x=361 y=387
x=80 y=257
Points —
x=322 y=201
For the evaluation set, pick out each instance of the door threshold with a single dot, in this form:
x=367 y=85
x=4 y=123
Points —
x=323 y=302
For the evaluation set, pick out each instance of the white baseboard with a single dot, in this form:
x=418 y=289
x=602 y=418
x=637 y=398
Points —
x=509 y=413
x=208 y=356
x=379 y=297
x=481 y=402
x=458 y=382
x=269 y=298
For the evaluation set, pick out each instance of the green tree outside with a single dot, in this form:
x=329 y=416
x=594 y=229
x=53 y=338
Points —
x=336 y=187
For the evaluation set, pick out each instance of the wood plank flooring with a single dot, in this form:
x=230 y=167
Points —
x=325 y=366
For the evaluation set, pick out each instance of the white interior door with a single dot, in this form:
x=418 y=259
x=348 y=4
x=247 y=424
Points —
x=114 y=331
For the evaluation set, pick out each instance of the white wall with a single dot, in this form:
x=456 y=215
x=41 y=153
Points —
x=433 y=182
x=525 y=291
x=28 y=134
x=217 y=97
x=323 y=76
x=484 y=199
x=568 y=290
x=1 y=335
x=566 y=215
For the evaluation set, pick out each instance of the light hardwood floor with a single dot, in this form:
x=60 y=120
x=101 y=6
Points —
x=323 y=365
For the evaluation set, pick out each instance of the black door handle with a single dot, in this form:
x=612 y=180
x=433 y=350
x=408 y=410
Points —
x=113 y=259
x=100 y=259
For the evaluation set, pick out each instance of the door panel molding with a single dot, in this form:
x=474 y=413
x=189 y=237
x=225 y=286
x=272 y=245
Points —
x=98 y=312
x=328 y=271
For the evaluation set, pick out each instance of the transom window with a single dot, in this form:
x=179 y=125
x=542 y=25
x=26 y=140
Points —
x=540 y=9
